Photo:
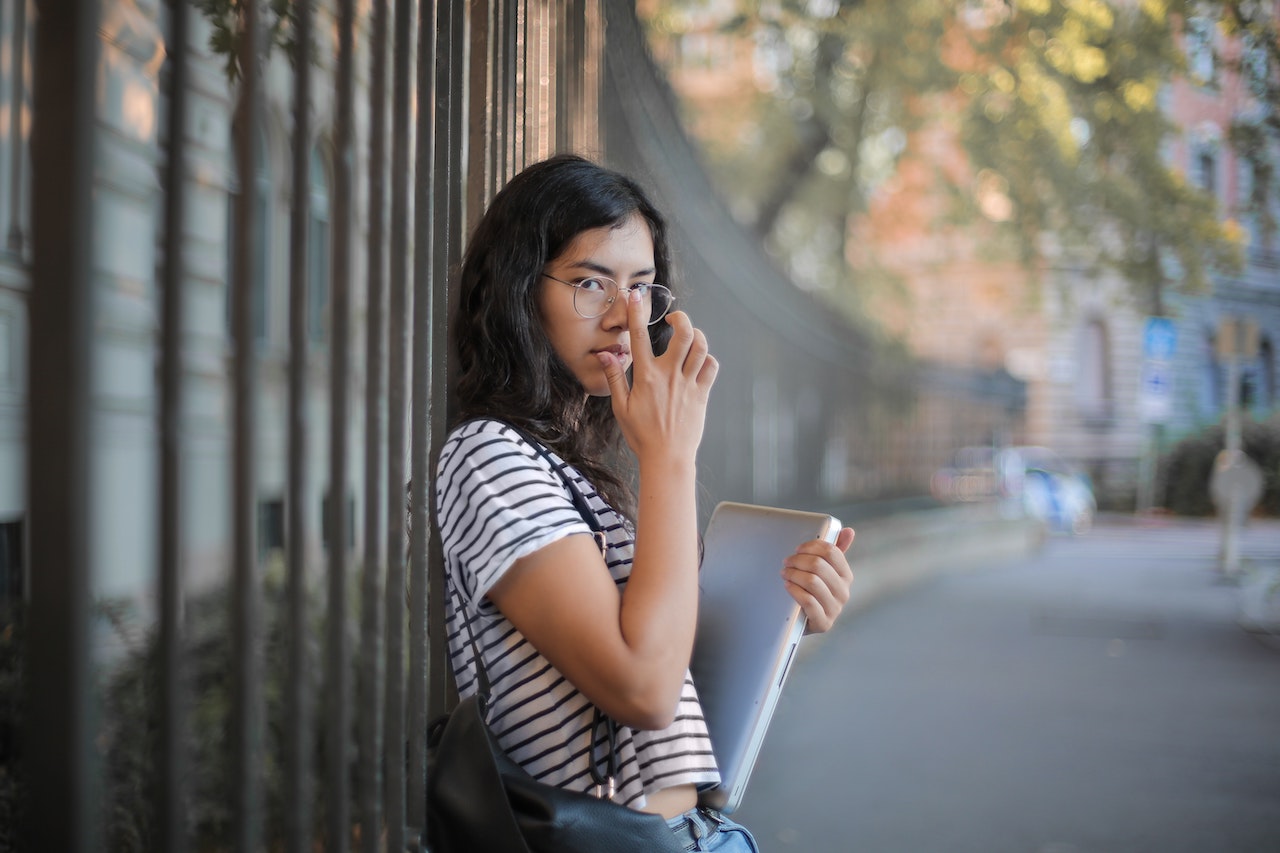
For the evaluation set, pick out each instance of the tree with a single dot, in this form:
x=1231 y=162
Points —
x=1054 y=105
x=280 y=19
x=1251 y=30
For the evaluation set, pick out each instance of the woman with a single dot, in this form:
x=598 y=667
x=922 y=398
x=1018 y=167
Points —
x=564 y=330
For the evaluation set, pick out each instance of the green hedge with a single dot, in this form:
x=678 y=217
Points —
x=1186 y=468
x=130 y=722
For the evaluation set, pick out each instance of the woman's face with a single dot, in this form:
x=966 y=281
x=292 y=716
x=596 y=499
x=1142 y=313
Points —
x=623 y=253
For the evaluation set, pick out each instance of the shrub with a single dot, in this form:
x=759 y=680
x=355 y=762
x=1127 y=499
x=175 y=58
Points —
x=1188 y=467
x=130 y=722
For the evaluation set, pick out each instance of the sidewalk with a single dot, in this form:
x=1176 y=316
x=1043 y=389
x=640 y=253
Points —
x=894 y=552
x=1095 y=695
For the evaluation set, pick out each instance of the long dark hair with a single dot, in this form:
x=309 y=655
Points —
x=506 y=367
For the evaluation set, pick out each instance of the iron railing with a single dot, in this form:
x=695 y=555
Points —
x=454 y=102
x=530 y=89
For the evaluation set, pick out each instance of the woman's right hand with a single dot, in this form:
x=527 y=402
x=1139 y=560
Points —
x=664 y=407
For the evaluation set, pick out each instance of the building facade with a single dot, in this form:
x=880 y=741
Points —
x=1074 y=333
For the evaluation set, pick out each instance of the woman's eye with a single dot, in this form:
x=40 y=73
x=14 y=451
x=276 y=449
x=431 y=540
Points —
x=642 y=288
x=592 y=285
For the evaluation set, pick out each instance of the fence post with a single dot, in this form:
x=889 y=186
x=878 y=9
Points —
x=171 y=787
x=58 y=748
x=246 y=707
x=298 y=699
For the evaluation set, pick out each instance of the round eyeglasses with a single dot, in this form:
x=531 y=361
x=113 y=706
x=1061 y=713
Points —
x=594 y=295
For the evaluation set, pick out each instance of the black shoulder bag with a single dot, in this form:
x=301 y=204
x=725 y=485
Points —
x=480 y=801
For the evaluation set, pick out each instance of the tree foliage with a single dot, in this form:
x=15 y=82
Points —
x=227 y=32
x=1055 y=104
x=1252 y=26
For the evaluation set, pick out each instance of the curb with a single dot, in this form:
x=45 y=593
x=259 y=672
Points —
x=892 y=553
x=895 y=552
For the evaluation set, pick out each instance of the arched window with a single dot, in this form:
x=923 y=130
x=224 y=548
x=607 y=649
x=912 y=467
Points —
x=1266 y=376
x=1093 y=380
x=1204 y=145
x=318 y=249
x=1199 y=46
x=1247 y=180
x=1255 y=64
x=1210 y=380
x=1204 y=168
x=260 y=264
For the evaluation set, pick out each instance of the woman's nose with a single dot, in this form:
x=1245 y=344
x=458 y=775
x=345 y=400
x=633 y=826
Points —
x=615 y=316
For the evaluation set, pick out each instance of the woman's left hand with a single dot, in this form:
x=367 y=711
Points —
x=819 y=579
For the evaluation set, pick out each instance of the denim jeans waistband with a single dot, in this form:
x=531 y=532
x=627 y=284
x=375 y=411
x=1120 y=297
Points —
x=695 y=824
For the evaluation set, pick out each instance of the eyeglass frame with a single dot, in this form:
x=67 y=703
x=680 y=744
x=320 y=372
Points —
x=618 y=290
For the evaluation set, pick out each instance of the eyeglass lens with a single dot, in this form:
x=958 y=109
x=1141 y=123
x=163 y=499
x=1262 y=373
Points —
x=593 y=297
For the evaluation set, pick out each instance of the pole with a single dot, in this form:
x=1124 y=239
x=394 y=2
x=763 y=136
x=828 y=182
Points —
x=1230 y=515
x=1237 y=480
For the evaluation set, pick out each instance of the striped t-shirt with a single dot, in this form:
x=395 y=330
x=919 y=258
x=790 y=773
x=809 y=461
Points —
x=498 y=500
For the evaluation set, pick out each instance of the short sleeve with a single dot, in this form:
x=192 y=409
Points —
x=497 y=500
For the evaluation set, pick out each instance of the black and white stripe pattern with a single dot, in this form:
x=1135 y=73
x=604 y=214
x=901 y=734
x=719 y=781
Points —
x=499 y=500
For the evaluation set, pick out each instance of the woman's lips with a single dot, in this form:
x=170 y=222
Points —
x=617 y=349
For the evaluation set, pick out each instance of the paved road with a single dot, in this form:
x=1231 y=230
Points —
x=1097 y=697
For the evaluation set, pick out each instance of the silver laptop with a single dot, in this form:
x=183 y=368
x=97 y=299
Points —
x=748 y=630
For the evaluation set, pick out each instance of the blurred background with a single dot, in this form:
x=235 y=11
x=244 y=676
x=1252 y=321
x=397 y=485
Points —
x=997 y=282
x=1071 y=199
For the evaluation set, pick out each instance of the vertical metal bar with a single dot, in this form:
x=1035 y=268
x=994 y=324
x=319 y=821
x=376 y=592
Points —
x=546 y=118
x=497 y=81
x=593 y=66
x=297 y=733
x=369 y=674
x=455 y=179
x=553 y=38
x=171 y=793
x=337 y=708
x=520 y=69
x=442 y=160
x=246 y=728
x=531 y=85
x=420 y=396
x=559 y=89
x=510 y=88
x=445 y=256
x=480 y=114
x=398 y=301
x=575 y=70
x=63 y=771
x=17 y=100
x=564 y=75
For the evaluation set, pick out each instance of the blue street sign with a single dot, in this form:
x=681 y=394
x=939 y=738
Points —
x=1155 y=397
x=1159 y=339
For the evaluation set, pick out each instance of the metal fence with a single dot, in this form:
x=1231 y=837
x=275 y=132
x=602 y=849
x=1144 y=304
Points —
x=472 y=92
x=424 y=109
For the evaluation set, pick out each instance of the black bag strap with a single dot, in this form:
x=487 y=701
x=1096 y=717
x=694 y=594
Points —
x=606 y=783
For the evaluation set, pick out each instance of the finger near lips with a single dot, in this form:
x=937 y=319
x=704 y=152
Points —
x=682 y=337
x=707 y=375
x=697 y=355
